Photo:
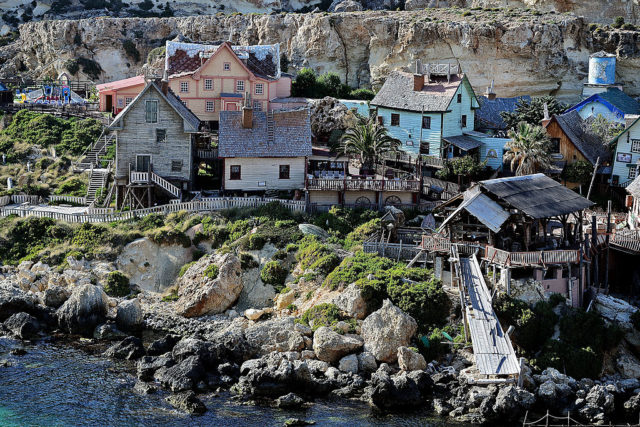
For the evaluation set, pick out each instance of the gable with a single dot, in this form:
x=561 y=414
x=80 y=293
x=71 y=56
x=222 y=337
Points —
x=214 y=66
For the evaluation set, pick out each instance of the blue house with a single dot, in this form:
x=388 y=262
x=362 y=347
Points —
x=429 y=111
x=627 y=156
x=613 y=104
x=488 y=118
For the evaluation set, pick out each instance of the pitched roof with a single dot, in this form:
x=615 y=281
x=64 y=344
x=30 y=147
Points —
x=184 y=58
x=537 y=196
x=397 y=92
x=634 y=187
x=170 y=98
x=463 y=142
x=614 y=99
x=291 y=134
x=121 y=84
x=589 y=144
x=3 y=88
x=630 y=122
x=488 y=115
x=488 y=212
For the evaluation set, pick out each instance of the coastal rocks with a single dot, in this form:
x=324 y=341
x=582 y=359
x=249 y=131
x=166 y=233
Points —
x=598 y=404
x=108 y=331
x=163 y=345
x=349 y=364
x=290 y=401
x=84 y=310
x=345 y=6
x=274 y=335
x=512 y=401
x=129 y=348
x=55 y=296
x=22 y=325
x=183 y=376
x=187 y=402
x=13 y=300
x=403 y=390
x=151 y=266
x=209 y=286
x=129 y=315
x=148 y=365
x=387 y=329
x=367 y=362
x=253 y=314
x=330 y=346
x=284 y=300
x=352 y=302
x=409 y=360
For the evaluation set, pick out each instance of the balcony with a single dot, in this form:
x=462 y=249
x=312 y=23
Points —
x=338 y=184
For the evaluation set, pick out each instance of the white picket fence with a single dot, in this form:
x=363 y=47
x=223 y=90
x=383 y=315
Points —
x=68 y=199
x=95 y=215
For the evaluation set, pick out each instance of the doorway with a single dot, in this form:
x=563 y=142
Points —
x=143 y=162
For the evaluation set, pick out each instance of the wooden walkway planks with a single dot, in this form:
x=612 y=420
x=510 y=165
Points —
x=491 y=346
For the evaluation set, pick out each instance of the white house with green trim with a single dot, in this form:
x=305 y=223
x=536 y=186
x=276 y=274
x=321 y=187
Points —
x=429 y=111
x=627 y=155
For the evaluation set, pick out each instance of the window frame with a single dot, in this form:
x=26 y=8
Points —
x=239 y=83
x=459 y=98
x=213 y=106
x=555 y=141
x=184 y=86
x=208 y=81
x=428 y=119
x=463 y=121
x=164 y=139
x=635 y=143
x=226 y=66
x=284 y=172
x=633 y=172
x=176 y=165
x=257 y=105
x=127 y=100
x=261 y=86
x=151 y=115
x=395 y=119
x=235 y=175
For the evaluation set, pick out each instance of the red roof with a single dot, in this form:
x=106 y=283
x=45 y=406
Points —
x=121 y=84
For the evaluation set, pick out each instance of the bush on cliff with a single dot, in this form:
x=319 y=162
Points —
x=324 y=315
x=117 y=284
x=274 y=273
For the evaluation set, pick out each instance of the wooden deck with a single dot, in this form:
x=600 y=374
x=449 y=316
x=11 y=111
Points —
x=492 y=347
x=626 y=240
x=534 y=258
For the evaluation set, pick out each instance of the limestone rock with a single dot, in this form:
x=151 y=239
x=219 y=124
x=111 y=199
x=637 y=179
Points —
x=84 y=310
x=55 y=296
x=409 y=360
x=346 y=6
x=284 y=300
x=387 y=329
x=187 y=402
x=349 y=364
x=253 y=314
x=13 y=300
x=289 y=401
x=512 y=401
x=274 y=335
x=201 y=294
x=367 y=362
x=351 y=302
x=330 y=346
x=22 y=325
x=108 y=331
x=327 y=115
x=129 y=348
x=151 y=266
x=129 y=315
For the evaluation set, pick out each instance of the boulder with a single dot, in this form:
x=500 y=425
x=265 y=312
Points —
x=13 y=300
x=289 y=401
x=512 y=401
x=151 y=266
x=129 y=348
x=632 y=407
x=129 y=315
x=183 y=376
x=387 y=329
x=22 y=325
x=367 y=362
x=329 y=114
x=284 y=300
x=330 y=346
x=144 y=388
x=274 y=335
x=313 y=230
x=409 y=360
x=55 y=296
x=201 y=293
x=187 y=402
x=614 y=310
x=253 y=314
x=351 y=302
x=347 y=6
x=148 y=365
x=84 y=310
x=163 y=345
x=108 y=331
x=627 y=364
x=349 y=364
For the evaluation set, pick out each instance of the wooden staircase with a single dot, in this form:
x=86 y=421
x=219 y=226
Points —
x=97 y=181
x=151 y=177
x=93 y=153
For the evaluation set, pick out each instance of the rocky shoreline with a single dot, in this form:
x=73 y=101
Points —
x=285 y=363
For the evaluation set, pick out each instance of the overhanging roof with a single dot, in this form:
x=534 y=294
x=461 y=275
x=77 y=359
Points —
x=463 y=142
x=483 y=208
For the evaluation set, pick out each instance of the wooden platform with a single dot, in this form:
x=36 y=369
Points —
x=491 y=346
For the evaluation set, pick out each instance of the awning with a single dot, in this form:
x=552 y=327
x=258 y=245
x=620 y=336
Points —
x=463 y=142
x=484 y=209
x=230 y=95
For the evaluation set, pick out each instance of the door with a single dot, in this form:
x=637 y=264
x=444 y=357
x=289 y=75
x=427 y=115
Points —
x=231 y=106
x=109 y=103
x=142 y=163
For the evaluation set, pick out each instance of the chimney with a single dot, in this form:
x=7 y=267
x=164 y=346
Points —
x=164 y=83
x=247 y=112
x=491 y=95
x=418 y=82
x=546 y=119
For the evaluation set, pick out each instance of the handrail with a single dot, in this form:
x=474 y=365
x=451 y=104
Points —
x=157 y=179
x=363 y=184
x=505 y=258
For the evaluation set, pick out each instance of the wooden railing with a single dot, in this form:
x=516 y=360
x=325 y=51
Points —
x=139 y=177
x=363 y=184
x=432 y=161
x=169 y=187
x=207 y=153
x=422 y=206
x=626 y=239
x=449 y=189
x=500 y=257
x=25 y=198
x=204 y=205
x=435 y=243
x=68 y=199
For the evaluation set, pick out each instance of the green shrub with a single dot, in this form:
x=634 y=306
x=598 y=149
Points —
x=77 y=255
x=184 y=268
x=280 y=255
x=256 y=242
x=168 y=236
x=357 y=236
x=556 y=299
x=292 y=307
x=321 y=315
x=171 y=296
x=247 y=261
x=131 y=50
x=362 y=94
x=285 y=290
x=437 y=343
x=356 y=267
x=156 y=53
x=618 y=22
x=117 y=284
x=212 y=271
x=274 y=274
x=310 y=250
x=151 y=222
x=326 y=264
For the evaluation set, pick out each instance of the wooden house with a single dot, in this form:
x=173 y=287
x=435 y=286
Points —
x=429 y=111
x=488 y=117
x=530 y=226
x=114 y=96
x=626 y=158
x=571 y=141
x=613 y=104
x=154 y=147
x=263 y=152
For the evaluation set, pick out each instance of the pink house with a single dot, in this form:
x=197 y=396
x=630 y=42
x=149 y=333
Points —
x=114 y=96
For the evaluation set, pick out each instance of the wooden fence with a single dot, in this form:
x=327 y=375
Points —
x=68 y=199
x=523 y=259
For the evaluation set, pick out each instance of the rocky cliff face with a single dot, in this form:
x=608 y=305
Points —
x=523 y=52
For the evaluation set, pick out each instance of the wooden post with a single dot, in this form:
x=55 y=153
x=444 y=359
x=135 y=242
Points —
x=520 y=377
x=606 y=259
x=594 y=250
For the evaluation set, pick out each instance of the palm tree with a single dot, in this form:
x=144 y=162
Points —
x=528 y=149
x=367 y=141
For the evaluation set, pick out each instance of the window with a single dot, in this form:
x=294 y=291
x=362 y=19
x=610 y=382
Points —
x=151 y=111
x=176 y=165
x=234 y=172
x=227 y=66
x=463 y=121
x=426 y=122
x=284 y=171
x=633 y=172
x=459 y=98
x=257 y=105
x=555 y=145
x=208 y=84
x=259 y=88
x=161 y=135
x=395 y=119
x=184 y=87
x=635 y=145
x=128 y=100
x=380 y=120
x=240 y=86
x=120 y=103
x=209 y=106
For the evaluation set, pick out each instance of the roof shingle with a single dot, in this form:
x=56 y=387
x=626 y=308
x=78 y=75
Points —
x=589 y=144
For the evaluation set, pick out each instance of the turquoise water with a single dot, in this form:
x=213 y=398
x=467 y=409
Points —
x=62 y=386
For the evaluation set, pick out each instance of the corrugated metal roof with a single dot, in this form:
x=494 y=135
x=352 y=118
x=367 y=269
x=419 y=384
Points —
x=463 y=142
x=538 y=196
x=483 y=208
x=634 y=187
